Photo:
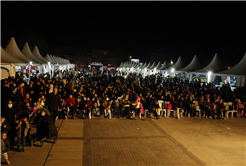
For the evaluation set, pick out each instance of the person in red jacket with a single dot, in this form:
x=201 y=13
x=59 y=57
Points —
x=70 y=103
x=88 y=107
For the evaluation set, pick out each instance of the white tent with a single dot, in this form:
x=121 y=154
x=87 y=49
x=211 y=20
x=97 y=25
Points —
x=158 y=65
x=178 y=65
x=238 y=71
x=192 y=66
x=213 y=67
x=37 y=54
x=27 y=52
x=7 y=58
x=13 y=50
x=163 y=66
x=9 y=62
x=47 y=57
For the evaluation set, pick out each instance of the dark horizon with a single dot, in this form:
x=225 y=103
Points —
x=198 y=28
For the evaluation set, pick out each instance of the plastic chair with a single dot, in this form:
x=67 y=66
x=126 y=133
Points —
x=161 y=104
x=231 y=111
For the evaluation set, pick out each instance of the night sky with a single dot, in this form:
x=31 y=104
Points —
x=175 y=28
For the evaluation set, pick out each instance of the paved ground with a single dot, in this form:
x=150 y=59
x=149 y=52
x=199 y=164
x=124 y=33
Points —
x=167 y=141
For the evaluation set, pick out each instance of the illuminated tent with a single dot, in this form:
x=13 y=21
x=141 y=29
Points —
x=178 y=65
x=214 y=66
x=13 y=50
x=192 y=66
x=163 y=66
x=27 y=52
x=238 y=71
x=9 y=62
x=37 y=54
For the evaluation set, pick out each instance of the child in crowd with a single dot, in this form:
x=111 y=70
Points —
x=3 y=148
x=116 y=107
x=22 y=127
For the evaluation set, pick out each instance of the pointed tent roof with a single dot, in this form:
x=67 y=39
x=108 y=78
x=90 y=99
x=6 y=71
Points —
x=214 y=66
x=152 y=66
x=238 y=69
x=7 y=58
x=51 y=57
x=48 y=58
x=193 y=65
x=178 y=65
x=163 y=67
x=13 y=50
x=54 y=57
x=158 y=65
x=37 y=54
x=27 y=52
x=148 y=65
x=144 y=65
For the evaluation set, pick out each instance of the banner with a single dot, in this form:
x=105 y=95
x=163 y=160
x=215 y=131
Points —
x=33 y=67
x=203 y=78
x=27 y=70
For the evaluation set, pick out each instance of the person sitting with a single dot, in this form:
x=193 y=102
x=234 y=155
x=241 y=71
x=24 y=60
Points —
x=240 y=108
x=87 y=107
x=136 y=106
x=213 y=112
x=153 y=105
x=70 y=103
x=107 y=106
x=116 y=107
x=207 y=107
x=220 y=109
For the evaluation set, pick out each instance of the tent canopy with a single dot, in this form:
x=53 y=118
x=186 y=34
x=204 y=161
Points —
x=13 y=50
x=37 y=54
x=7 y=58
x=193 y=66
x=163 y=67
x=178 y=65
x=238 y=69
x=27 y=52
x=214 y=66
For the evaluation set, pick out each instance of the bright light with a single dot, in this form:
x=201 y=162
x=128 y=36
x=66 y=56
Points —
x=172 y=70
x=31 y=63
x=209 y=76
x=48 y=63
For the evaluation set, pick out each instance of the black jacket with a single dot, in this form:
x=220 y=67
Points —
x=54 y=102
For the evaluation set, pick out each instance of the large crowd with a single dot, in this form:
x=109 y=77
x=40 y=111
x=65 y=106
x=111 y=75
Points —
x=74 y=94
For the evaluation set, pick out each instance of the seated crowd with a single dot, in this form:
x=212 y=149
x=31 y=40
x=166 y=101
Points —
x=85 y=95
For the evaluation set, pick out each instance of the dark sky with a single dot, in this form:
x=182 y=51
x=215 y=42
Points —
x=177 y=28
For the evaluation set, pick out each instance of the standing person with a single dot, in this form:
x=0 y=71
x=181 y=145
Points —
x=70 y=103
x=240 y=108
x=22 y=127
x=3 y=148
x=54 y=103
x=9 y=113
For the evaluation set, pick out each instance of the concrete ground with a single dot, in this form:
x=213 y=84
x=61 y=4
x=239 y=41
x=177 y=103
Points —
x=145 y=142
